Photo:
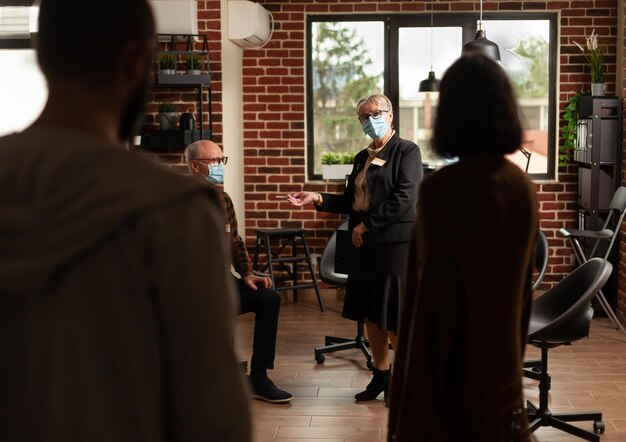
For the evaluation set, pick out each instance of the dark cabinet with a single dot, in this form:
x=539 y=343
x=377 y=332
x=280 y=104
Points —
x=597 y=155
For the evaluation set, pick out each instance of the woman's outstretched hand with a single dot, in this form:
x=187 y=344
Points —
x=303 y=198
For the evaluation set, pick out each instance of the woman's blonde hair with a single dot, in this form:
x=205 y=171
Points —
x=380 y=100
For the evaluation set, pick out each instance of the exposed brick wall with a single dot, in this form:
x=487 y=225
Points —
x=274 y=109
x=275 y=135
x=186 y=99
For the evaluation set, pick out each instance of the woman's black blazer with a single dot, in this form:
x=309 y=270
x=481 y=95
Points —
x=392 y=191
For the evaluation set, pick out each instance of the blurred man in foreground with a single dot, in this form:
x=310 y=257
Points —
x=111 y=307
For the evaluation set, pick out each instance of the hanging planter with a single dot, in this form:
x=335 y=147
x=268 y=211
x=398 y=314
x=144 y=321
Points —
x=167 y=64
x=193 y=64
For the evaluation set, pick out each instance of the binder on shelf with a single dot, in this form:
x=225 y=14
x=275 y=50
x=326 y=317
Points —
x=598 y=130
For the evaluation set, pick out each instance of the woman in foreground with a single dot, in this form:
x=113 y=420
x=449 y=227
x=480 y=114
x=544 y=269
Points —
x=458 y=371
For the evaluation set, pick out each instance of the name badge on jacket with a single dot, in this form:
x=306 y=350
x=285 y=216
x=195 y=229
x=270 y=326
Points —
x=378 y=162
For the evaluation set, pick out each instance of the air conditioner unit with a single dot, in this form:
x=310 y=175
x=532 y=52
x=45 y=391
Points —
x=175 y=16
x=249 y=24
x=17 y=22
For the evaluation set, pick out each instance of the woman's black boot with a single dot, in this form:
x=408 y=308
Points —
x=378 y=384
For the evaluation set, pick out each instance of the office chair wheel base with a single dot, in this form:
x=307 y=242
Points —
x=320 y=359
x=598 y=427
x=370 y=365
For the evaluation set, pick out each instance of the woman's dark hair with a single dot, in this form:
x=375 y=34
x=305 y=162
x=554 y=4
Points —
x=477 y=111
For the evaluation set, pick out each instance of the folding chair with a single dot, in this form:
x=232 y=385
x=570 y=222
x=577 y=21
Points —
x=542 y=252
x=615 y=215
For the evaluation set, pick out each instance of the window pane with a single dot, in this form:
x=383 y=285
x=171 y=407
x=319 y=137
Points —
x=347 y=62
x=525 y=51
x=23 y=90
x=415 y=52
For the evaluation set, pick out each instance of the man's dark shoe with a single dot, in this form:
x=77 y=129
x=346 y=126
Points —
x=263 y=388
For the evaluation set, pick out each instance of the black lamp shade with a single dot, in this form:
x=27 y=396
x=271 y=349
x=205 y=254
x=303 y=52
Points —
x=483 y=46
x=431 y=84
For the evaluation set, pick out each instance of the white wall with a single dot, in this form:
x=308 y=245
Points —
x=232 y=117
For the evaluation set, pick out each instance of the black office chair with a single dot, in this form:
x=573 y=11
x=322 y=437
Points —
x=561 y=316
x=329 y=276
x=542 y=253
x=614 y=218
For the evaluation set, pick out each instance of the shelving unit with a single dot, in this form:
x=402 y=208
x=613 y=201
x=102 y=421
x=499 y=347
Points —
x=597 y=155
x=181 y=47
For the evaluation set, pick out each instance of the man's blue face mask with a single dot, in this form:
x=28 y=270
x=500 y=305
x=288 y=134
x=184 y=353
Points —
x=376 y=128
x=215 y=174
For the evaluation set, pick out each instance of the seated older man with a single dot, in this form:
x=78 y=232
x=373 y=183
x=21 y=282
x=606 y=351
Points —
x=206 y=160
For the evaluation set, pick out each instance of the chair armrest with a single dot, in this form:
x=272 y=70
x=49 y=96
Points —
x=593 y=234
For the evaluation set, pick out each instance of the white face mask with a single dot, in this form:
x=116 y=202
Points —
x=376 y=128
x=215 y=173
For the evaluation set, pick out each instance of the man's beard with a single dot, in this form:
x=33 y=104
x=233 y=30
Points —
x=133 y=115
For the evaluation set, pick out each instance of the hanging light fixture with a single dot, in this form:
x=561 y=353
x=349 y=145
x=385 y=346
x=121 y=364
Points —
x=480 y=43
x=431 y=84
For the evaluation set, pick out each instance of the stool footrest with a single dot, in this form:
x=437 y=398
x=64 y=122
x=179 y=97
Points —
x=280 y=261
x=292 y=259
x=280 y=233
x=283 y=278
x=295 y=287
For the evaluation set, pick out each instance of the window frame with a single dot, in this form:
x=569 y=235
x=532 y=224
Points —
x=467 y=21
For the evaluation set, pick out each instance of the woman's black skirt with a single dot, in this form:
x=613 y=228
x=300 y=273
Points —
x=376 y=282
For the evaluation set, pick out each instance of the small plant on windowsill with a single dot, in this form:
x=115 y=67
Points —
x=336 y=165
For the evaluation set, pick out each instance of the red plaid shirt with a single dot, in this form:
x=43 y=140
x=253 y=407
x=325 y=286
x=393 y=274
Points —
x=240 y=259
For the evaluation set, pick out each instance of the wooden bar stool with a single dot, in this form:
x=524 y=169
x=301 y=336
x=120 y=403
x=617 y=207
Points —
x=280 y=261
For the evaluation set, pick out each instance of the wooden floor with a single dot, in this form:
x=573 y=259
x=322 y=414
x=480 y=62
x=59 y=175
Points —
x=587 y=376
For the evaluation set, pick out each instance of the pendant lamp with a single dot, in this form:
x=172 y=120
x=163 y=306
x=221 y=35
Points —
x=431 y=84
x=480 y=43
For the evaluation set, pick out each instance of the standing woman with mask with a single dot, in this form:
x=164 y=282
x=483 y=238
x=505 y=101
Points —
x=381 y=199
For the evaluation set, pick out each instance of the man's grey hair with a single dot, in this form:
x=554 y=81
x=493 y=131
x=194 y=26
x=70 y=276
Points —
x=379 y=100
x=192 y=152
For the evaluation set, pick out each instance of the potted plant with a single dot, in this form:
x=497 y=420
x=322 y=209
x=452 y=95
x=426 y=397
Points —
x=569 y=130
x=167 y=64
x=593 y=52
x=167 y=116
x=336 y=165
x=193 y=64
